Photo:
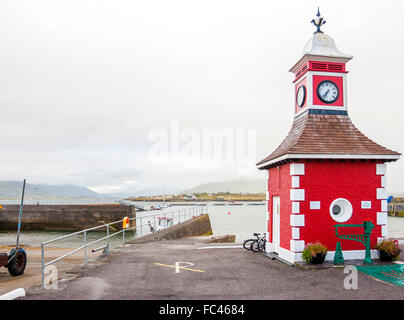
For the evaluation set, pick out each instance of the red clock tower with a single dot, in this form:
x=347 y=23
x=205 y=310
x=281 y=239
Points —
x=326 y=171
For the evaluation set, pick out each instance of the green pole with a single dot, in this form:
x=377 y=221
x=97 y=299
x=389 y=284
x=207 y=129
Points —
x=368 y=226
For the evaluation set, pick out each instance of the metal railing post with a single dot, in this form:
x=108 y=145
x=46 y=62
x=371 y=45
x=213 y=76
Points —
x=85 y=247
x=43 y=265
x=107 y=248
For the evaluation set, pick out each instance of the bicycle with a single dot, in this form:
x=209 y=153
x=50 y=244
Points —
x=248 y=244
x=259 y=244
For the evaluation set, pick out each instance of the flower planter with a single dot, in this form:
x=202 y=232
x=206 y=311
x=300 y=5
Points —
x=318 y=259
x=384 y=256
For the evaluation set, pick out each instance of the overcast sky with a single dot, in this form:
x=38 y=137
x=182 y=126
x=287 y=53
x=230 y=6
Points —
x=84 y=83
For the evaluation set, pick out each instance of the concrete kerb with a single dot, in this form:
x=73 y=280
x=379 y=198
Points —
x=17 y=293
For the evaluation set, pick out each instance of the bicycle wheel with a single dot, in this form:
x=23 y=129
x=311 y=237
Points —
x=247 y=244
x=254 y=246
x=261 y=245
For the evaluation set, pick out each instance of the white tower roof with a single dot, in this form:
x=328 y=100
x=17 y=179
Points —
x=322 y=44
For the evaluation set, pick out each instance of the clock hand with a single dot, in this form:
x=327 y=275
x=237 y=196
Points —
x=326 y=93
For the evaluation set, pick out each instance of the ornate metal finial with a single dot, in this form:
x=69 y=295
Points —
x=318 y=22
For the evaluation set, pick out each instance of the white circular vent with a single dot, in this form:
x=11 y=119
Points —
x=341 y=210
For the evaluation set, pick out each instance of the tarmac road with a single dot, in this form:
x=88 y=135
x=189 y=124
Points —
x=132 y=273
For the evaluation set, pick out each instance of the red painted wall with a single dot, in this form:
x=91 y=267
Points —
x=338 y=81
x=326 y=181
x=302 y=82
x=279 y=184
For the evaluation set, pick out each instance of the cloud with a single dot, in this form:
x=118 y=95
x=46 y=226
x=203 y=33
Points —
x=83 y=83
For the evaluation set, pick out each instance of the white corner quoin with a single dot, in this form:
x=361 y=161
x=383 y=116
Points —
x=297 y=169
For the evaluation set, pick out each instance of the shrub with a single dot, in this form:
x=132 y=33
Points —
x=389 y=248
x=312 y=250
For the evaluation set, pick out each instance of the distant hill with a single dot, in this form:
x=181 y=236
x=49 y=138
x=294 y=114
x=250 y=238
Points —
x=152 y=192
x=233 y=186
x=12 y=190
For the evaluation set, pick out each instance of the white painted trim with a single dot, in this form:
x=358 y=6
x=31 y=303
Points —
x=293 y=257
x=329 y=156
x=384 y=205
x=306 y=57
x=295 y=181
x=287 y=255
x=315 y=205
x=296 y=245
x=295 y=207
x=382 y=218
x=352 y=254
x=269 y=246
x=267 y=195
x=296 y=194
x=381 y=193
x=297 y=220
x=326 y=73
x=345 y=88
x=383 y=181
x=295 y=233
x=309 y=93
x=380 y=169
x=297 y=169
x=267 y=216
x=366 y=204
x=385 y=231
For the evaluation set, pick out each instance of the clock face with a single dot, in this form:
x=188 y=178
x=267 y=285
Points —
x=301 y=96
x=327 y=91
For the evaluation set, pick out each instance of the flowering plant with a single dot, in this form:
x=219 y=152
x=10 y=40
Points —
x=312 y=251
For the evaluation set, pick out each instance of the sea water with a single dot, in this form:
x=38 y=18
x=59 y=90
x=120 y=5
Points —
x=239 y=220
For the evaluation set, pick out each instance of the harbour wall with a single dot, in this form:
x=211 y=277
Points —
x=198 y=226
x=63 y=217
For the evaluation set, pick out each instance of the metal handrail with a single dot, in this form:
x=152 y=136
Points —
x=85 y=230
x=191 y=213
